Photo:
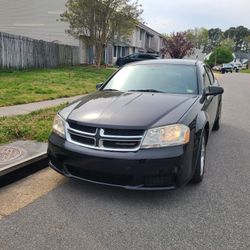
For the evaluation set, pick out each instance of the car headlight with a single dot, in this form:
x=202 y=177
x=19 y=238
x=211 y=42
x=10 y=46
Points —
x=59 y=126
x=171 y=135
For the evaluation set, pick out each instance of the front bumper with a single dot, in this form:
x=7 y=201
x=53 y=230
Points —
x=163 y=168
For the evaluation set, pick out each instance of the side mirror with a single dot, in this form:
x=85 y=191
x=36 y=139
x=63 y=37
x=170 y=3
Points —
x=99 y=85
x=212 y=91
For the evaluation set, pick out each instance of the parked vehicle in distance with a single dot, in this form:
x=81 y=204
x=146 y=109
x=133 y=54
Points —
x=237 y=66
x=136 y=57
x=217 y=68
x=230 y=67
x=227 y=67
x=146 y=127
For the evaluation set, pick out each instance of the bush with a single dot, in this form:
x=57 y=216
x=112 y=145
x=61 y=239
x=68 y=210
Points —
x=219 y=56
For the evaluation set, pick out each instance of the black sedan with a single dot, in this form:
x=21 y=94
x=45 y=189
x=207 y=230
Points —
x=136 y=57
x=146 y=127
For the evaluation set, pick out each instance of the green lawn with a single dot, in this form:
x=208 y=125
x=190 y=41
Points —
x=245 y=71
x=34 y=126
x=25 y=86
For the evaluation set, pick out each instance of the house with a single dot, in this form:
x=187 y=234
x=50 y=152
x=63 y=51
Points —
x=40 y=20
x=143 y=39
x=242 y=57
x=35 y=19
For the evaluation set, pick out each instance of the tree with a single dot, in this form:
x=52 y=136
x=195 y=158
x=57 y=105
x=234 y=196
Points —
x=220 y=55
x=215 y=37
x=239 y=36
x=97 y=22
x=228 y=43
x=240 y=33
x=178 y=45
x=199 y=37
x=246 y=44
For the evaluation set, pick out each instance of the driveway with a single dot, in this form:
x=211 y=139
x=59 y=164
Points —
x=213 y=215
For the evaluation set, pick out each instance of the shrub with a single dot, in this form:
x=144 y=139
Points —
x=219 y=56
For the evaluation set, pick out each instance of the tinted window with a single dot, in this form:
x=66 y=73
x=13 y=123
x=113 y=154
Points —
x=145 y=56
x=133 y=55
x=206 y=79
x=210 y=74
x=180 y=79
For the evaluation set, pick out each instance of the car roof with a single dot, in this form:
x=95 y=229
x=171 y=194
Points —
x=168 y=61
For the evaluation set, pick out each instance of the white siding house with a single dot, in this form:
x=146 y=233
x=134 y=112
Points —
x=39 y=19
x=36 y=19
x=143 y=39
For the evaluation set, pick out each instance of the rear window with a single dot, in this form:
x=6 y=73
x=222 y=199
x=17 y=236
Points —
x=167 y=78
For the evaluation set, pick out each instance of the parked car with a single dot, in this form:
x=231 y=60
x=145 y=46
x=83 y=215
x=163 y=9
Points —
x=135 y=58
x=217 y=68
x=237 y=66
x=227 y=67
x=230 y=67
x=146 y=127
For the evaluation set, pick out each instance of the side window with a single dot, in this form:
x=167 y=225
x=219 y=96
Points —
x=206 y=79
x=211 y=75
x=133 y=55
x=143 y=56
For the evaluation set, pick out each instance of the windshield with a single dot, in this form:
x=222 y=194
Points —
x=166 y=78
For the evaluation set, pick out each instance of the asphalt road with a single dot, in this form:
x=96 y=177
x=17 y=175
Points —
x=213 y=215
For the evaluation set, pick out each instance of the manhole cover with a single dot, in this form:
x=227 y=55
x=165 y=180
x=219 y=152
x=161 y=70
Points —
x=10 y=153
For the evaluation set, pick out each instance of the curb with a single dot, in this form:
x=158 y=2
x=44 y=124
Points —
x=19 y=154
x=26 y=162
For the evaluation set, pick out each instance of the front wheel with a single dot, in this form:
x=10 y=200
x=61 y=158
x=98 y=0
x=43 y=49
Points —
x=200 y=166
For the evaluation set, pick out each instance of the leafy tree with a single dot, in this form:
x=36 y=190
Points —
x=220 y=55
x=228 y=43
x=240 y=33
x=178 y=45
x=230 y=33
x=215 y=37
x=199 y=37
x=97 y=22
x=239 y=36
x=246 y=44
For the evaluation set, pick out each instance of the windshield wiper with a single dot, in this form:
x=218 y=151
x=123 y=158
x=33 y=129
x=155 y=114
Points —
x=145 y=90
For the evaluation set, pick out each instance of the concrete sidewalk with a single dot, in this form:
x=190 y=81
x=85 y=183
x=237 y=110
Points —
x=19 y=154
x=27 y=108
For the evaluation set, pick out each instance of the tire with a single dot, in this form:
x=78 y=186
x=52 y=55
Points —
x=200 y=166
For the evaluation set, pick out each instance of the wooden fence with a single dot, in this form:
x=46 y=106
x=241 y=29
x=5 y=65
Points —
x=22 y=52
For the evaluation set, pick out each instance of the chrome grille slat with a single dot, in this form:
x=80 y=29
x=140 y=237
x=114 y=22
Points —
x=71 y=130
x=102 y=134
x=118 y=140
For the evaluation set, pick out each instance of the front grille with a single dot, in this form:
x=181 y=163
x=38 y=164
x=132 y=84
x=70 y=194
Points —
x=104 y=138
x=124 y=132
x=82 y=139
x=82 y=128
x=121 y=144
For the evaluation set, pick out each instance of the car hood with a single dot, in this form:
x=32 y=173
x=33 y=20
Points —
x=129 y=109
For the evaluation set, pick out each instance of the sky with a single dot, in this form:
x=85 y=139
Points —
x=167 y=16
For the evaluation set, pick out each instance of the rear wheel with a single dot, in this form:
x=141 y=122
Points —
x=200 y=167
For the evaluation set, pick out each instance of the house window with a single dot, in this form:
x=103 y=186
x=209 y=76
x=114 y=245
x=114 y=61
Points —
x=119 y=51
x=123 y=51
x=141 y=34
x=115 y=51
